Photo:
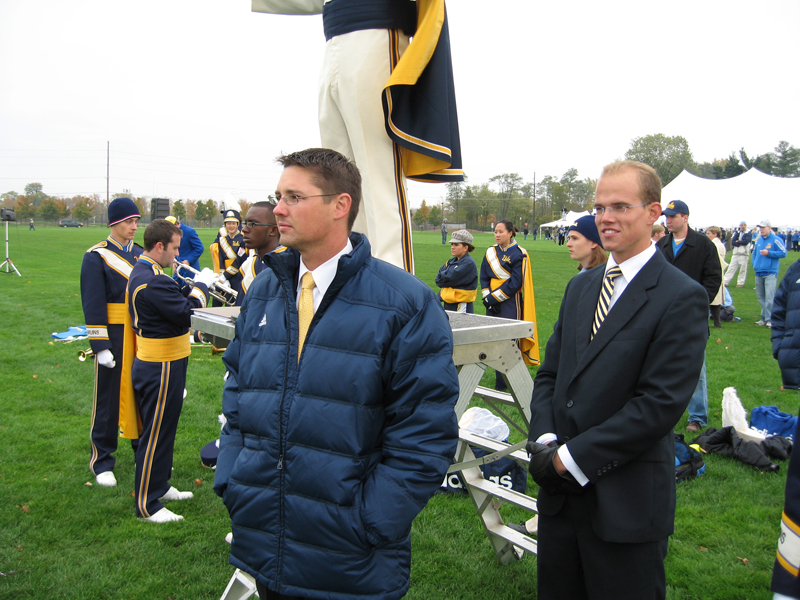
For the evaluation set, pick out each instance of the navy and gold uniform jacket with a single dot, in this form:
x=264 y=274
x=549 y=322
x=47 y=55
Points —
x=249 y=270
x=501 y=272
x=229 y=248
x=104 y=277
x=160 y=311
x=458 y=279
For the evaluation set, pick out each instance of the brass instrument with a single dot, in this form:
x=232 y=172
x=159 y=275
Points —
x=220 y=291
x=84 y=355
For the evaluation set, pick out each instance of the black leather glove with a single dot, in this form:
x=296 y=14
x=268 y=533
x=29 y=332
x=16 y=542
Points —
x=543 y=470
x=491 y=309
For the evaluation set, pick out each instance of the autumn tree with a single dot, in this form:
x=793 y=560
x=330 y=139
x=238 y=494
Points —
x=48 y=210
x=244 y=206
x=179 y=210
x=435 y=216
x=667 y=155
x=34 y=190
x=24 y=208
x=8 y=199
x=83 y=208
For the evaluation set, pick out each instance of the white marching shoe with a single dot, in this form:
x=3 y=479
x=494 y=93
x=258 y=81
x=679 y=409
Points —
x=173 y=494
x=165 y=515
x=106 y=479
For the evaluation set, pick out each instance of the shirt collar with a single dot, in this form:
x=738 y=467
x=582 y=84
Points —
x=631 y=267
x=324 y=274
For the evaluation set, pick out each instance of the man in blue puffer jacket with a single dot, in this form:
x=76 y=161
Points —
x=786 y=327
x=341 y=425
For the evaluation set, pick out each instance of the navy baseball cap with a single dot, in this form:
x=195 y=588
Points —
x=588 y=228
x=676 y=207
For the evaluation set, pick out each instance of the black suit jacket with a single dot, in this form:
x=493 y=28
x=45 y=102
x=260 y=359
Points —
x=614 y=400
x=698 y=258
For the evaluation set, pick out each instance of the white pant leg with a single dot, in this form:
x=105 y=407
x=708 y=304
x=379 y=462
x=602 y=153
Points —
x=738 y=261
x=351 y=121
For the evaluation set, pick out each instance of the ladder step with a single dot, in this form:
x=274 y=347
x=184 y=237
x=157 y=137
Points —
x=510 y=496
x=495 y=396
x=491 y=445
x=515 y=537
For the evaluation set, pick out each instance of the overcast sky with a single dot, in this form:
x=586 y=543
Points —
x=197 y=98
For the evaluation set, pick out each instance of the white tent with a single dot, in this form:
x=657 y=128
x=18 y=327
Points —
x=750 y=197
x=568 y=220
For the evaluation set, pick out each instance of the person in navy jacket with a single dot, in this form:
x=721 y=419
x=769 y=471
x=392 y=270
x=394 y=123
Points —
x=339 y=403
x=104 y=276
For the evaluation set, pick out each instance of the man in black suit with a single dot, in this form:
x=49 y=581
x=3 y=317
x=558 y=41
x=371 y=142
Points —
x=618 y=373
x=695 y=255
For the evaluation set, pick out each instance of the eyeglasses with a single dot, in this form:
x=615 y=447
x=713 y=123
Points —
x=251 y=224
x=620 y=209
x=292 y=199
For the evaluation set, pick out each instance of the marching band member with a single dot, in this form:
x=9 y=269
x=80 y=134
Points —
x=261 y=235
x=507 y=288
x=226 y=248
x=161 y=317
x=104 y=277
x=458 y=277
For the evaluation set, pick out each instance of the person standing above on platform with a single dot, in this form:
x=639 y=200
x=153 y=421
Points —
x=339 y=404
x=695 y=255
x=740 y=257
x=104 y=277
x=458 y=277
x=161 y=317
x=507 y=288
x=261 y=235
x=618 y=371
x=767 y=255
x=226 y=248
x=191 y=247
x=583 y=242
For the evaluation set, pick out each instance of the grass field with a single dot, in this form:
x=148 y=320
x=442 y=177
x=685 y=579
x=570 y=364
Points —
x=62 y=538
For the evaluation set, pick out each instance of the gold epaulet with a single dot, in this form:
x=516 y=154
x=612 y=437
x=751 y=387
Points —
x=279 y=249
x=102 y=244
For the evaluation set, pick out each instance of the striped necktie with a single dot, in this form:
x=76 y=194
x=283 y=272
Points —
x=604 y=301
x=305 y=309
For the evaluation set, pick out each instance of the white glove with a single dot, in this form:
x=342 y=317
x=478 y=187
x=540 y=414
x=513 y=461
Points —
x=206 y=276
x=223 y=279
x=106 y=359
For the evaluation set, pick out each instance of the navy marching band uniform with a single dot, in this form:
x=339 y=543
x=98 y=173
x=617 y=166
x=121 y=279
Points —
x=161 y=317
x=501 y=280
x=249 y=270
x=226 y=249
x=104 y=276
x=458 y=279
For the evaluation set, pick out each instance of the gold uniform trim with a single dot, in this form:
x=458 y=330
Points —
x=163 y=350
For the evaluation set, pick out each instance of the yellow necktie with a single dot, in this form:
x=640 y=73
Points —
x=305 y=309
x=604 y=300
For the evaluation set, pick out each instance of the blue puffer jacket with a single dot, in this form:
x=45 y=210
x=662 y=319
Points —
x=786 y=327
x=324 y=464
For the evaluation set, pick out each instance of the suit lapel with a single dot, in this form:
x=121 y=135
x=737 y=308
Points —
x=587 y=305
x=632 y=300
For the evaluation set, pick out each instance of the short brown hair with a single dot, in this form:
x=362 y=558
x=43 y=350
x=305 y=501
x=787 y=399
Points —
x=331 y=172
x=160 y=230
x=599 y=257
x=715 y=230
x=649 y=181
x=657 y=228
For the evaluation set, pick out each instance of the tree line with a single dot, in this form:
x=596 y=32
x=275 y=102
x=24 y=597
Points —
x=36 y=204
x=478 y=206
x=508 y=196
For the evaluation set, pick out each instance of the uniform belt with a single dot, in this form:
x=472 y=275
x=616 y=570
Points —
x=162 y=350
x=116 y=313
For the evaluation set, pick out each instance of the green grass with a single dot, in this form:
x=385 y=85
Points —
x=62 y=538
